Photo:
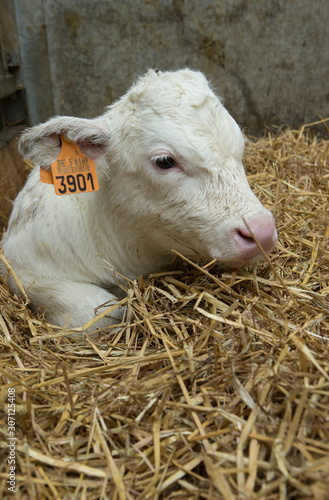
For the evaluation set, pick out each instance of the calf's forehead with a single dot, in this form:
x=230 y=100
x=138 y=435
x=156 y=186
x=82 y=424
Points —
x=180 y=107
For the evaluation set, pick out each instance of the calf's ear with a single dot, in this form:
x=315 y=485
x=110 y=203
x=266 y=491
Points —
x=41 y=144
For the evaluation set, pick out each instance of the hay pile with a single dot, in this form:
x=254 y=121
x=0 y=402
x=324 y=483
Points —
x=217 y=385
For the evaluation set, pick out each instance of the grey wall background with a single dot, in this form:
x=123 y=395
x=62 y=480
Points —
x=269 y=59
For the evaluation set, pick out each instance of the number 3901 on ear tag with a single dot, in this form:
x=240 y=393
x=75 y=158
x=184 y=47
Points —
x=73 y=172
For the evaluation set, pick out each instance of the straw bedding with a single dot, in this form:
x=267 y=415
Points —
x=216 y=386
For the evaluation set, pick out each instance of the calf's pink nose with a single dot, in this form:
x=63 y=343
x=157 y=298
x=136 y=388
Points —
x=263 y=229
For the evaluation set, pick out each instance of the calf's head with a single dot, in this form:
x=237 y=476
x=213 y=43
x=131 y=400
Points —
x=169 y=160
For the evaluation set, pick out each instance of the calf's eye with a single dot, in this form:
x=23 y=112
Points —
x=165 y=162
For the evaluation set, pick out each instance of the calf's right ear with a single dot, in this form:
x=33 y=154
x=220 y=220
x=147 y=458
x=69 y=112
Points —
x=41 y=144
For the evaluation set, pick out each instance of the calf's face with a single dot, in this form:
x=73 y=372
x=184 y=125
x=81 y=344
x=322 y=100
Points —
x=177 y=164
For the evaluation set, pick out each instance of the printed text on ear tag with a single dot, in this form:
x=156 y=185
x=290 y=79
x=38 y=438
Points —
x=73 y=172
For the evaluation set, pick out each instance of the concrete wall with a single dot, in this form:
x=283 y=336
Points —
x=269 y=59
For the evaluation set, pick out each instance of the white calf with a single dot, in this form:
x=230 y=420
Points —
x=169 y=165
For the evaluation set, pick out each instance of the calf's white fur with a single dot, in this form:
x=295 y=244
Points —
x=197 y=204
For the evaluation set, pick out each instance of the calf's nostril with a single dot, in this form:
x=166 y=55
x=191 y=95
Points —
x=245 y=234
x=245 y=238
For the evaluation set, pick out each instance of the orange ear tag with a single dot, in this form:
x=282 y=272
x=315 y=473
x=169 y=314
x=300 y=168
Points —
x=73 y=172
